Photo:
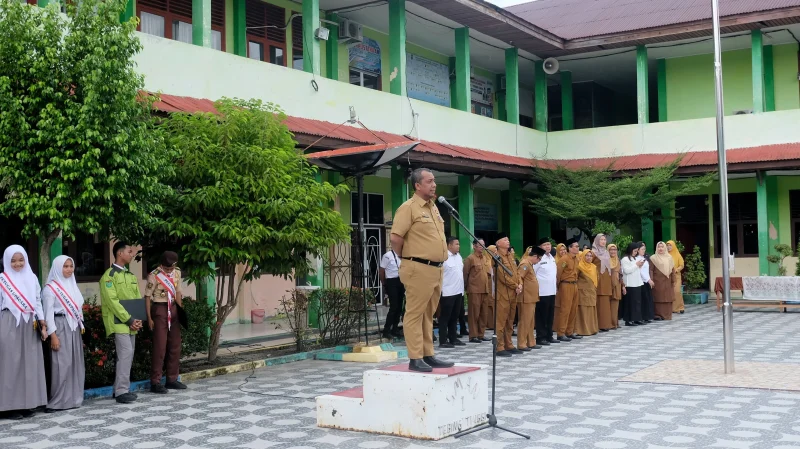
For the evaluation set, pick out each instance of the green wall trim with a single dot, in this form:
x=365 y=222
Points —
x=399 y=187
x=512 y=86
x=648 y=235
x=500 y=100
x=127 y=14
x=543 y=228
x=773 y=218
x=312 y=58
x=567 y=108
x=769 y=79
x=397 y=47
x=332 y=49
x=662 y=90
x=201 y=23
x=43 y=4
x=515 y=215
x=642 y=91
x=540 y=96
x=757 y=53
x=56 y=249
x=466 y=210
x=463 y=92
x=239 y=28
x=763 y=226
x=668 y=225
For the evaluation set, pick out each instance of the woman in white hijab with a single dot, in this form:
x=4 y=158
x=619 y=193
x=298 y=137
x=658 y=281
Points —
x=63 y=308
x=22 y=382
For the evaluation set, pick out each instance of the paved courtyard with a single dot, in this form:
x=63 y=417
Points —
x=563 y=396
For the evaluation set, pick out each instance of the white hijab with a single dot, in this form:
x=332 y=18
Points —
x=69 y=284
x=25 y=280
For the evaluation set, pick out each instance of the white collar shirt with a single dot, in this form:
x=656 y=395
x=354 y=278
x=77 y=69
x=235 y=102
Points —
x=546 y=272
x=453 y=280
x=391 y=264
x=645 y=270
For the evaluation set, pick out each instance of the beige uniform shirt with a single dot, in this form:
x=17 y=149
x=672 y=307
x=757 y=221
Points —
x=421 y=226
x=530 y=283
x=155 y=291
x=477 y=276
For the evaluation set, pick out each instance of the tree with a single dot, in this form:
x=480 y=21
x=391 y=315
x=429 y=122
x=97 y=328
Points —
x=783 y=251
x=695 y=269
x=78 y=149
x=588 y=195
x=245 y=199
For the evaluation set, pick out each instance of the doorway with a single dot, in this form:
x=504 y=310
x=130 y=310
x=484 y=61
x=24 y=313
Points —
x=692 y=226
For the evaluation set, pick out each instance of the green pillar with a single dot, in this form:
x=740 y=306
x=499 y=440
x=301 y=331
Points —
x=662 y=90
x=642 y=103
x=332 y=49
x=399 y=187
x=512 y=85
x=240 y=28
x=466 y=210
x=56 y=249
x=504 y=202
x=769 y=80
x=773 y=220
x=500 y=99
x=540 y=97
x=315 y=278
x=397 y=47
x=334 y=179
x=515 y=215
x=127 y=14
x=543 y=228
x=648 y=235
x=763 y=225
x=207 y=290
x=463 y=92
x=668 y=230
x=567 y=114
x=311 y=49
x=201 y=23
x=43 y=4
x=757 y=52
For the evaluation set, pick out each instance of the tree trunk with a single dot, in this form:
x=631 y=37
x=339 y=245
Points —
x=216 y=333
x=224 y=308
x=44 y=253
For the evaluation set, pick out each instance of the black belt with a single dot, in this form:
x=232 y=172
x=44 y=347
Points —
x=424 y=261
x=59 y=314
x=569 y=282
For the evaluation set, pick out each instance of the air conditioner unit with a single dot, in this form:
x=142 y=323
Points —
x=350 y=31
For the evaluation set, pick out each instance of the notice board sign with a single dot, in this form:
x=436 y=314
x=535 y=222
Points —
x=427 y=80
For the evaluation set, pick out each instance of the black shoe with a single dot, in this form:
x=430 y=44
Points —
x=436 y=363
x=632 y=323
x=682 y=312
x=386 y=335
x=515 y=351
x=640 y=323
x=503 y=354
x=535 y=347
x=435 y=339
x=175 y=386
x=658 y=318
x=126 y=398
x=564 y=339
x=542 y=343
x=575 y=337
x=27 y=413
x=397 y=333
x=486 y=339
x=13 y=415
x=524 y=349
x=553 y=340
x=648 y=321
x=458 y=342
x=475 y=340
x=446 y=346
x=50 y=410
x=158 y=389
x=603 y=330
x=419 y=365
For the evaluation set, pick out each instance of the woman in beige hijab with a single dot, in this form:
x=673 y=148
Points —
x=662 y=273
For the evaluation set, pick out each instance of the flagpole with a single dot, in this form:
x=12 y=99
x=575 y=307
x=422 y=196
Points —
x=727 y=308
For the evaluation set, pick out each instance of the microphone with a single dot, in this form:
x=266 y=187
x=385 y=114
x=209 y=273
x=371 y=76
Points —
x=443 y=200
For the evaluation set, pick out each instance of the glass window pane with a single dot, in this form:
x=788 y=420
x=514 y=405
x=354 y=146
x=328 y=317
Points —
x=750 y=236
x=216 y=40
x=88 y=255
x=276 y=55
x=355 y=77
x=354 y=209
x=297 y=60
x=374 y=209
x=182 y=31
x=370 y=81
x=255 y=51
x=152 y=24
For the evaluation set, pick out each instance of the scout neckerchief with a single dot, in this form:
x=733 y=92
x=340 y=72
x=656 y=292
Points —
x=169 y=286
x=69 y=304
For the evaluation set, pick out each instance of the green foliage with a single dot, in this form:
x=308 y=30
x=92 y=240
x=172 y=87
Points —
x=586 y=196
x=622 y=242
x=784 y=251
x=680 y=246
x=78 y=149
x=695 y=269
x=337 y=324
x=295 y=307
x=243 y=197
x=604 y=227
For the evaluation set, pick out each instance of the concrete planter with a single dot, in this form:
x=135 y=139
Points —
x=695 y=298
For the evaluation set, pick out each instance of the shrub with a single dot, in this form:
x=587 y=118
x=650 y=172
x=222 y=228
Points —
x=337 y=321
x=784 y=251
x=695 y=269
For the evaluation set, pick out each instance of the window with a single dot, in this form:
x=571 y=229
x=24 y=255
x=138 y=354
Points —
x=91 y=255
x=172 y=19
x=365 y=79
x=266 y=32
x=373 y=208
x=794 y=216
x=297 y=42
x=743 y=213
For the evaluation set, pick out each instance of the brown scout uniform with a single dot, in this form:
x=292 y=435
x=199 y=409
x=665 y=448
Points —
x=506 y=301
x=477 y=284
x=567 y=295
x=166 y=338
x=616 y=294
x=421 y=226
x=604 y=291
x=529 y=298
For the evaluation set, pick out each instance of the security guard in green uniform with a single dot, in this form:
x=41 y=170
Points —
x=119 y=284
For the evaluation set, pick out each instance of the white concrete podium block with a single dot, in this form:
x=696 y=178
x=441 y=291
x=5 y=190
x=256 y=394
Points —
x=396 y=401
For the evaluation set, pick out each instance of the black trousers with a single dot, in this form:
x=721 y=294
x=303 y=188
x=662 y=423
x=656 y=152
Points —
x=462 y=317
x=396 y=292
x=545 y=314
x=448 y=317
x=648 y=307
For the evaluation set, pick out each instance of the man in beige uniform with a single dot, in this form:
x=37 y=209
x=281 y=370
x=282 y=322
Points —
x=477 y=283
x=418 y=236
x=508 y=287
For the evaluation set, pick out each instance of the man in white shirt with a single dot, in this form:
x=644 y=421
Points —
x=390 y=278
x=648 y=308
x=546 y=272
x=452 y=300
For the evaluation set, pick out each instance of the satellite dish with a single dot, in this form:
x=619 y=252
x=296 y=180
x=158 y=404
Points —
x=550 y=66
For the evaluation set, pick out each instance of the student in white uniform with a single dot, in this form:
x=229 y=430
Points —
x=22 y=329
x=63 y=309
x=390 y=277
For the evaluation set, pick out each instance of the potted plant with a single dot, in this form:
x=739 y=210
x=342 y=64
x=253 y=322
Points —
x=784 y=251
x=695 y=278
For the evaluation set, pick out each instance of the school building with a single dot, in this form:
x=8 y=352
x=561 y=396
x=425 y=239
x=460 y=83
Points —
x=634 y=87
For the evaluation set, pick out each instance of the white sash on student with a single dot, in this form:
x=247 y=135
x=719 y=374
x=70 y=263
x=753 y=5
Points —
x=169 y=286
x=67 y=303
x=15 y=295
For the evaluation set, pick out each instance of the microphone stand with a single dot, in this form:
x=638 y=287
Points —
x=497 y=264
